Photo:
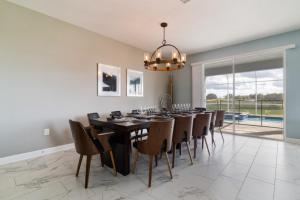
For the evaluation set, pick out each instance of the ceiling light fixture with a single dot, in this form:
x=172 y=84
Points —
x=168 y=60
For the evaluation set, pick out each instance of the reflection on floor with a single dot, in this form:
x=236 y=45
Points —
x=240 y=168
x=255 y=131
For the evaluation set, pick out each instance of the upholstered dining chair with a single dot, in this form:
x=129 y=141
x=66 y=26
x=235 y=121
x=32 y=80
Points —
x=200 y=109
x=220 y=121
x=182 y=133
x=92 y=116
x=116 y=114
x=85 y=146
x=159 y=139
x=212 y=125
x=201 y=126
x=103 y=138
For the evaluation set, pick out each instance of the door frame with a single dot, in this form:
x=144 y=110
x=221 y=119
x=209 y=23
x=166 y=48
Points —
x=201 y=64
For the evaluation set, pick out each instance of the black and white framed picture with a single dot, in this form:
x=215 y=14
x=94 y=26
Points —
x=109 y=80
x=135 y=83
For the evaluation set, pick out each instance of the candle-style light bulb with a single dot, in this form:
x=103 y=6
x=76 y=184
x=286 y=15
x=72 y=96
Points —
x=183 y=57
x=158 y=54
x=174 y=56
x=146 y=57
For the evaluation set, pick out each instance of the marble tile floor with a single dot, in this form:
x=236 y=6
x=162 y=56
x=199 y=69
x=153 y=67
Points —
x=242 y=168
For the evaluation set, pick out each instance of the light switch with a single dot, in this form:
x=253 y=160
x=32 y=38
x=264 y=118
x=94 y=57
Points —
x=47 y=131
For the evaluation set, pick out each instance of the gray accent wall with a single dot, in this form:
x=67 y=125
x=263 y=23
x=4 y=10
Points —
x=183 y=85
x=48 y=75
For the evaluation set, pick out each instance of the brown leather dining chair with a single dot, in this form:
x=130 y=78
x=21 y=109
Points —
x=159 y=139
x=220 y=121
x=92 y=116
x=212 y=125
x=84 y=145
x=182 y=133
x=201 y=126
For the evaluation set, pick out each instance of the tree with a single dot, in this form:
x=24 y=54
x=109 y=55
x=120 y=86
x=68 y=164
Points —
x=211 y=96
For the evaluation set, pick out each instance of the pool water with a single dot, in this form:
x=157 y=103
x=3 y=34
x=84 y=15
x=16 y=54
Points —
x=252 y=118
x=265 y=119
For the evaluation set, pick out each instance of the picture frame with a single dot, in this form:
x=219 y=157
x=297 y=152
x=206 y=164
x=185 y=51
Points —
x=135 y=83
x=108 y=80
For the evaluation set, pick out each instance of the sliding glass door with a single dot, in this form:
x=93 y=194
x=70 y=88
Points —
x=250 y=90
x=219 y=84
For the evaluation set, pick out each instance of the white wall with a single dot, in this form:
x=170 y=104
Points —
x=48 y=75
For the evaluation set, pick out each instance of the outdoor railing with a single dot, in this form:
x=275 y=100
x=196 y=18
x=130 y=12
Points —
x=250 y=112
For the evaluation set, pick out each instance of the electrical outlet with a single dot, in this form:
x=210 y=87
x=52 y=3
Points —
x=46 y=131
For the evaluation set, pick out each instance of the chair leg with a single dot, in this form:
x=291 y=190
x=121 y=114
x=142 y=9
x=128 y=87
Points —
x=79 y=164
x=142 y=130
x=195 y=147
x=155 y=160
x=135 y=161
x=189 y=151
x=169 y=166
x=101 y=159
x=136 y=135
x=206 y=145
x=173 y=153
x=202 y=142
x=113 y=162
x=87 y=170
x=150 y=170
x=213 y=138
x=180 y=149
x=221 y=133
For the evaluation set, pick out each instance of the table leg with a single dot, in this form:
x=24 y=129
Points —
x=120 y=143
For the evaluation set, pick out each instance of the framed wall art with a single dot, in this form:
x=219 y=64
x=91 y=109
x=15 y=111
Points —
x=109 y=80
x=135 y=83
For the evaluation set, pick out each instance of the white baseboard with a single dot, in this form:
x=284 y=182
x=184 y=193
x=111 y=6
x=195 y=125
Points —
x=292 y=140
x=34 y=154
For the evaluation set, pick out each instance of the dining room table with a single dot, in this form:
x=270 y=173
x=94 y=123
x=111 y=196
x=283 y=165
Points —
x=121 y=140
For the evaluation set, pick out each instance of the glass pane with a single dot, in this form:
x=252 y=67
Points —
x=258 y=95
x=270 y=75
x=219 y=90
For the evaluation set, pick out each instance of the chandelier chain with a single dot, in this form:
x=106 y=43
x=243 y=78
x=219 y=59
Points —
x=164 y=36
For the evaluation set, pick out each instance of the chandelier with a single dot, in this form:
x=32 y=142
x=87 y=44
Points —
x=166 y=57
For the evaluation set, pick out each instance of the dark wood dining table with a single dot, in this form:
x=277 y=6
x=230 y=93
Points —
x=121 y=140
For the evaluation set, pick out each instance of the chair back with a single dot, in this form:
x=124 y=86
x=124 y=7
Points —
x=201 y=124
x=92 y=116
x=182 y=128
x=116 y=114
x=200 y=109
x=160 y=136
x=83 y=142
x=220 y=118
x=134 y=111
x=213 y=119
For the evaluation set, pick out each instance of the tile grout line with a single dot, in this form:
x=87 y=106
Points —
x=220 y=174
x=248 y=171
x=275 y=171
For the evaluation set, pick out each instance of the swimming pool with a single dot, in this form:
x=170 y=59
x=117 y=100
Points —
x=253 y=118
x=265 y=119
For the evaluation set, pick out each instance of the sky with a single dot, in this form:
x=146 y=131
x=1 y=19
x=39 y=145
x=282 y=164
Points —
x=268 y=81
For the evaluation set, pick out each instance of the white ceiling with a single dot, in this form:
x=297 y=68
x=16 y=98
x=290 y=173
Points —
x=195 y=26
